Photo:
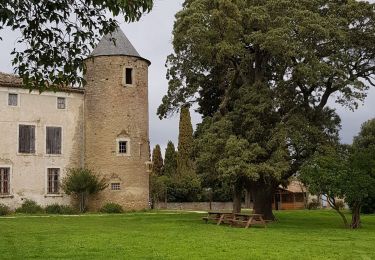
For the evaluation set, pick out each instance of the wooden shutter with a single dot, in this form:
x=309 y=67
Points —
x=53 y=140
x=4 y=180
x=26 y=139
x=32 y=139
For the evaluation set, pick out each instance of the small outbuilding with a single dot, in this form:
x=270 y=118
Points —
x=292 y=197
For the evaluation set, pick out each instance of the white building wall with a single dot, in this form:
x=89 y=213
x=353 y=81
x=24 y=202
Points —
x=28 y=176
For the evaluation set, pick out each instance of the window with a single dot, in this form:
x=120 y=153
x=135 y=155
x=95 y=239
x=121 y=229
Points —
x=53 y=140
x=123 y=147
x=13 y=99
x=115 y=186
x=61 y=103
x=4 y=181
x=128 y=76
x=26 y=139
x=53 y=185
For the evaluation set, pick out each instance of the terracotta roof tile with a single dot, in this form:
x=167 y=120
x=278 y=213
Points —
x=13 y=81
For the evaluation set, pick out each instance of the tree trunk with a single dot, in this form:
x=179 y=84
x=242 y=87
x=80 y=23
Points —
x=356 y=216
x=237 y=196
x=248 y=199
x=82 y=202
x=332 y=203
x=263 y=196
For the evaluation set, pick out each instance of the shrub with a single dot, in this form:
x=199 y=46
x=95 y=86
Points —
x=81 y=183
x=111 y=208
x=53 y=209
x=29 y=207
x=67 y=210
x=4 y=210
x=313 y=204
x=59 y=209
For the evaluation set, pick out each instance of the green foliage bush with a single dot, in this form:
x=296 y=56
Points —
x=67 y=210
x=368 y=206
x=53 y=209
x=60 y=209
x=313 y=204
x=29 y=207
x=4 y=210
x=112 y=208
x=81 y=183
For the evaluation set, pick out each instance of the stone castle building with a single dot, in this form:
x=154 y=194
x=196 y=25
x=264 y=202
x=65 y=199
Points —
x=103 y=127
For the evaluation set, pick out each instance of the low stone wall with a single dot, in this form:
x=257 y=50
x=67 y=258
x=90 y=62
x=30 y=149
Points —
x=204 y=206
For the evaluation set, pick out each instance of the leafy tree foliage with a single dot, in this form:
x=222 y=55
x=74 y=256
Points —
x=362 y=180
x=58 y=35
x=82 y=183
x=157 y=161
x=345 y=172
x=186 y=188
x=326 y=173
x=265 y=70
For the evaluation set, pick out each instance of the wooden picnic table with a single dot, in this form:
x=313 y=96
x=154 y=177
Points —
x=242 y=219
x=218 y=217
x=248 y=220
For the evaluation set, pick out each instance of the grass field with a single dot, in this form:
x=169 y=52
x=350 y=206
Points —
x=163 y=235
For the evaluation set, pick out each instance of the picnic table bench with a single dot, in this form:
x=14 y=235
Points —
x=248 y=220
x=218 y=217
x=240 y=219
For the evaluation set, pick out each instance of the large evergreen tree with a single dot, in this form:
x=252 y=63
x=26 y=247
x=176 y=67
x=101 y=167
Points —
x=157 y=161
x=170 y=162
x=185 y=143
x=262 y=72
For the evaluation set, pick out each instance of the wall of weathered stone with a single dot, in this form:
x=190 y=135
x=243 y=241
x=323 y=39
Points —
x=204 y=206
x=113 y=111
x=29 y=172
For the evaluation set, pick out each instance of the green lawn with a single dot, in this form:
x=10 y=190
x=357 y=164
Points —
x=163 y=235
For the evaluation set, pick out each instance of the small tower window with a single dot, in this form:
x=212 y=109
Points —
x=128 y=76
x=115 y=186
x=123 y=147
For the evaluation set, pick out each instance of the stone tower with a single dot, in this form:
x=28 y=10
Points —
x=116 y=121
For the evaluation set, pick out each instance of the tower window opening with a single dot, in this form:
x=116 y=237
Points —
x=115 y=186
x=128 y=76
x=122 y=147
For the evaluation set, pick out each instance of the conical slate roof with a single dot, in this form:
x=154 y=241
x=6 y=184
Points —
x=120 y=47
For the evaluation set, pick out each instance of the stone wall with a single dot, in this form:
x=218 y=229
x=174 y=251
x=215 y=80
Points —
x=112 y=111
x=198 y=206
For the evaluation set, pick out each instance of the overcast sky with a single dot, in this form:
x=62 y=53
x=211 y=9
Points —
x=152 y=37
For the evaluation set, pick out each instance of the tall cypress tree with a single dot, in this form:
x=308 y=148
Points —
x=170 y=162
x=157 y=161
x=185 y=143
